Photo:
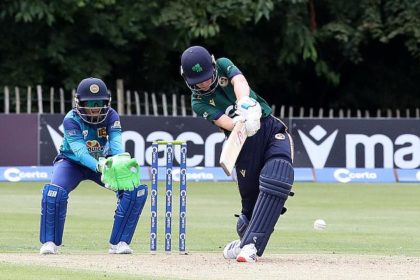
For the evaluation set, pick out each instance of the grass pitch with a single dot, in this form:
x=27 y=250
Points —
x=362 y=219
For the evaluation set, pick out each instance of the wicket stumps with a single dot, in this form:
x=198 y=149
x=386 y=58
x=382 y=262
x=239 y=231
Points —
x=168 y=194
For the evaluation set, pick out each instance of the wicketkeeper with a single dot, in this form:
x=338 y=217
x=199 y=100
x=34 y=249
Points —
x=92 y=150
x=221 y=94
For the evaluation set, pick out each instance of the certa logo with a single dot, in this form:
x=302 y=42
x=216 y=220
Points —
x=319 y=147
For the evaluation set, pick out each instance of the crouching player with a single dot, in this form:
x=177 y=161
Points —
x=92 y=131
x=221 y=94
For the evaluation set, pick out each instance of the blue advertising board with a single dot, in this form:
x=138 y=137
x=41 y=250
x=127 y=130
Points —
x=25 y=173
x=214 y=174
x=43 y=174
x=408 y=175
x=355 y=175
x=304 y=175
x=196 y=174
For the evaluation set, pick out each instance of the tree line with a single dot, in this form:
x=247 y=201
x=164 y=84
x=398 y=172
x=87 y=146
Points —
x=339 y=54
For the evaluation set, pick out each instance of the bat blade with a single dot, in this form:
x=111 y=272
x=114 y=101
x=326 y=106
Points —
x=232 y=148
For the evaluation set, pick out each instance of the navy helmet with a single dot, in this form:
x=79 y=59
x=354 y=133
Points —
x=92 y=100
x=197 y=66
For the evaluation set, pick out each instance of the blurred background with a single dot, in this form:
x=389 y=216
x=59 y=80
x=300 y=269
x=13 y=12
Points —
x=305 y=54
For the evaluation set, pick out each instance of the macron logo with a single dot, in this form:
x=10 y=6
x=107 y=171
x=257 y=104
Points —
x=318 y=151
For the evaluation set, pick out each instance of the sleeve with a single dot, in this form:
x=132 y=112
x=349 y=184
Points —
x=206 y=111
x=115 y=134
x=77 y=144
x=227 y=68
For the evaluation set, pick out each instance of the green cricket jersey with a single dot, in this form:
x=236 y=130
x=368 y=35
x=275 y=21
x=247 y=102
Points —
x=223 y=99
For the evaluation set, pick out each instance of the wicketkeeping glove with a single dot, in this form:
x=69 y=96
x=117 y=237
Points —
x=101 y=164
x=120 y=172
x=250 y=109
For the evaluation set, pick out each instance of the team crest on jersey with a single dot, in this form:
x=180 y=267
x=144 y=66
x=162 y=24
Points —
x=279 y=136
x=243 y=171
x=116 y=124
x=212 y=102
x=94 y=88
x=205 y=115
x=102 y=132
x=85 y=133
x=223 y=81
x=93 y=146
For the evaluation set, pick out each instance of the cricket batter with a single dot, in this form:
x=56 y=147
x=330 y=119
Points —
x=221 y=95
x=92 y=131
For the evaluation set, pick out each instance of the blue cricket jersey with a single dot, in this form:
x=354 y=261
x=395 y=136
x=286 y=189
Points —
x=84 y=143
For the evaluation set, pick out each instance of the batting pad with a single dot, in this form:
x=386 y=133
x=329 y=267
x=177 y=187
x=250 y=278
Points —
x=276 y=181
x=53 y=214
x=129 y=207
x=241 y=225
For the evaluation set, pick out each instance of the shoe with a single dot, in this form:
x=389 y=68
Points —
x=248 y=254
x=120 y=248
x=48 y=248
x=232 y=250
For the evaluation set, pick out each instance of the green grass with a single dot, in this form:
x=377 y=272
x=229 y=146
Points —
x=32 y=272
x=376 y=219
x=361 y=219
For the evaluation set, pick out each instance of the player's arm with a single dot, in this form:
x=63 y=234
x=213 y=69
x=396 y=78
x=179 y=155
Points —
x=248 y=108
x=213 y=114
x=115 y=134
x=226 y=122
x=235 y=76
x=240 y=86
x=77 y=144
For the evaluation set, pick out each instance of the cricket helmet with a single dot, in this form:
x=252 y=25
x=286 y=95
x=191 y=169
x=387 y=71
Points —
x=197 y=66
x=92 y=100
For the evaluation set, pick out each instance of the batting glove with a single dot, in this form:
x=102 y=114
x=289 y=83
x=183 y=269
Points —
x=250 y=109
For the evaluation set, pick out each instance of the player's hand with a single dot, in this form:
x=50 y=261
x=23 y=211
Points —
x=121 y=172
x=101 y=164
x=237 y=119
x=250 y=109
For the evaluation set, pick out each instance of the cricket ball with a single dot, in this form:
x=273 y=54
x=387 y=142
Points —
x=320 y=224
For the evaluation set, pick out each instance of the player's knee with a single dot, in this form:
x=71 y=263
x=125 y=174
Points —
x=136 y=198
x=277 y=177
x=140 y=193
x=241 y=225
x=54 y=193
x=54 y=200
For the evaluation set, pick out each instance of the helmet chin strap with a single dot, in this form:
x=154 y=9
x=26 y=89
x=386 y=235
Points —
x=197 y=91
x=92 y=119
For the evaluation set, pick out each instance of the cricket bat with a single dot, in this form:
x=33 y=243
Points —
x=232 y=147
